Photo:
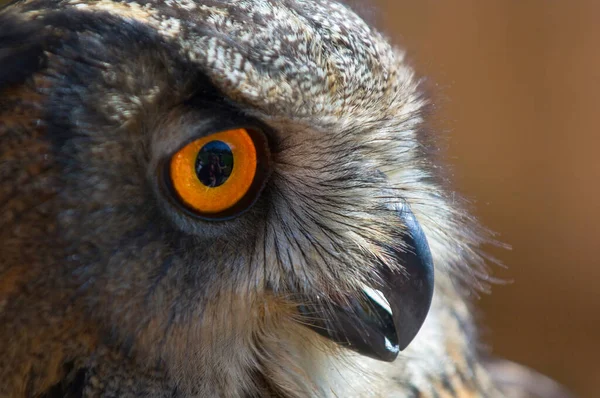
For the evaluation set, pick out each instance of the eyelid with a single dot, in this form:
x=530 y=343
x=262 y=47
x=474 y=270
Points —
x=271 y=137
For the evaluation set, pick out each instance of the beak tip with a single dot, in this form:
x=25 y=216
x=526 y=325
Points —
x=410 y=296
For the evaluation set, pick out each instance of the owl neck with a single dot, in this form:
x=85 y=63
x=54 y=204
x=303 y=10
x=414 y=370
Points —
x=256 y=347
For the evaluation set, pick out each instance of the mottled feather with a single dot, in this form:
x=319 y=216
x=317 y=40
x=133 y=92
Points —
x=108 y=289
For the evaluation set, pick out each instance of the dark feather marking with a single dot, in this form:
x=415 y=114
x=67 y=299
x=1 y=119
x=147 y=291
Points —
x=447 y=384
x=298 y=220
x=21 y=49
x=277 y=251
x=71 y=386
x=287 y=233
x=264 y=251
x=415 y=393
x=163 y=270
x=303 y=253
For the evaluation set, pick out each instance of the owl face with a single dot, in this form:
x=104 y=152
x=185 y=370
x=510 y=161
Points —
x=216 y=166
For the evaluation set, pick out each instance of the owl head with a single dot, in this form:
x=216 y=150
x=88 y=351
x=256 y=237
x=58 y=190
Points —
x=198 y=183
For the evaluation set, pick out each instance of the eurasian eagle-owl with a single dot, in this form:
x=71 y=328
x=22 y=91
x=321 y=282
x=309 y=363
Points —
x=209 y=198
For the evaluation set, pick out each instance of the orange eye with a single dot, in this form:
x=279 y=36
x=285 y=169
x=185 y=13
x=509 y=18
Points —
x=214 y=174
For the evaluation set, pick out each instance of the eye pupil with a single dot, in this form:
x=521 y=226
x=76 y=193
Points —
x=214 y=163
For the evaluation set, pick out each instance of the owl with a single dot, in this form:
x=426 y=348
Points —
x=209 y=198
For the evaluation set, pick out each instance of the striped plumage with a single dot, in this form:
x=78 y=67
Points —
x=106 y=289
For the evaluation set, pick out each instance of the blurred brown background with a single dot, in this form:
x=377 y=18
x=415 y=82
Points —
x=517 y=88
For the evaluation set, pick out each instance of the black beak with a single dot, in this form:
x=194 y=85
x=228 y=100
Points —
x=379 y=322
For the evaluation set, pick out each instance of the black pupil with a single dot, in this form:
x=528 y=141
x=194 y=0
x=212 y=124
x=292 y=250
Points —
x=214 y=163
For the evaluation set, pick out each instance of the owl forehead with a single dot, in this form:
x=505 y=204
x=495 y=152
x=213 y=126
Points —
x=311 y=60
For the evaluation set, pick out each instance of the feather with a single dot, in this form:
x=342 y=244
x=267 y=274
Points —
x=518 y=381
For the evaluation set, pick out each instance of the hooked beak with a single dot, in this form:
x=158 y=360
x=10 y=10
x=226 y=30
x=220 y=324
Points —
x=381 y=322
